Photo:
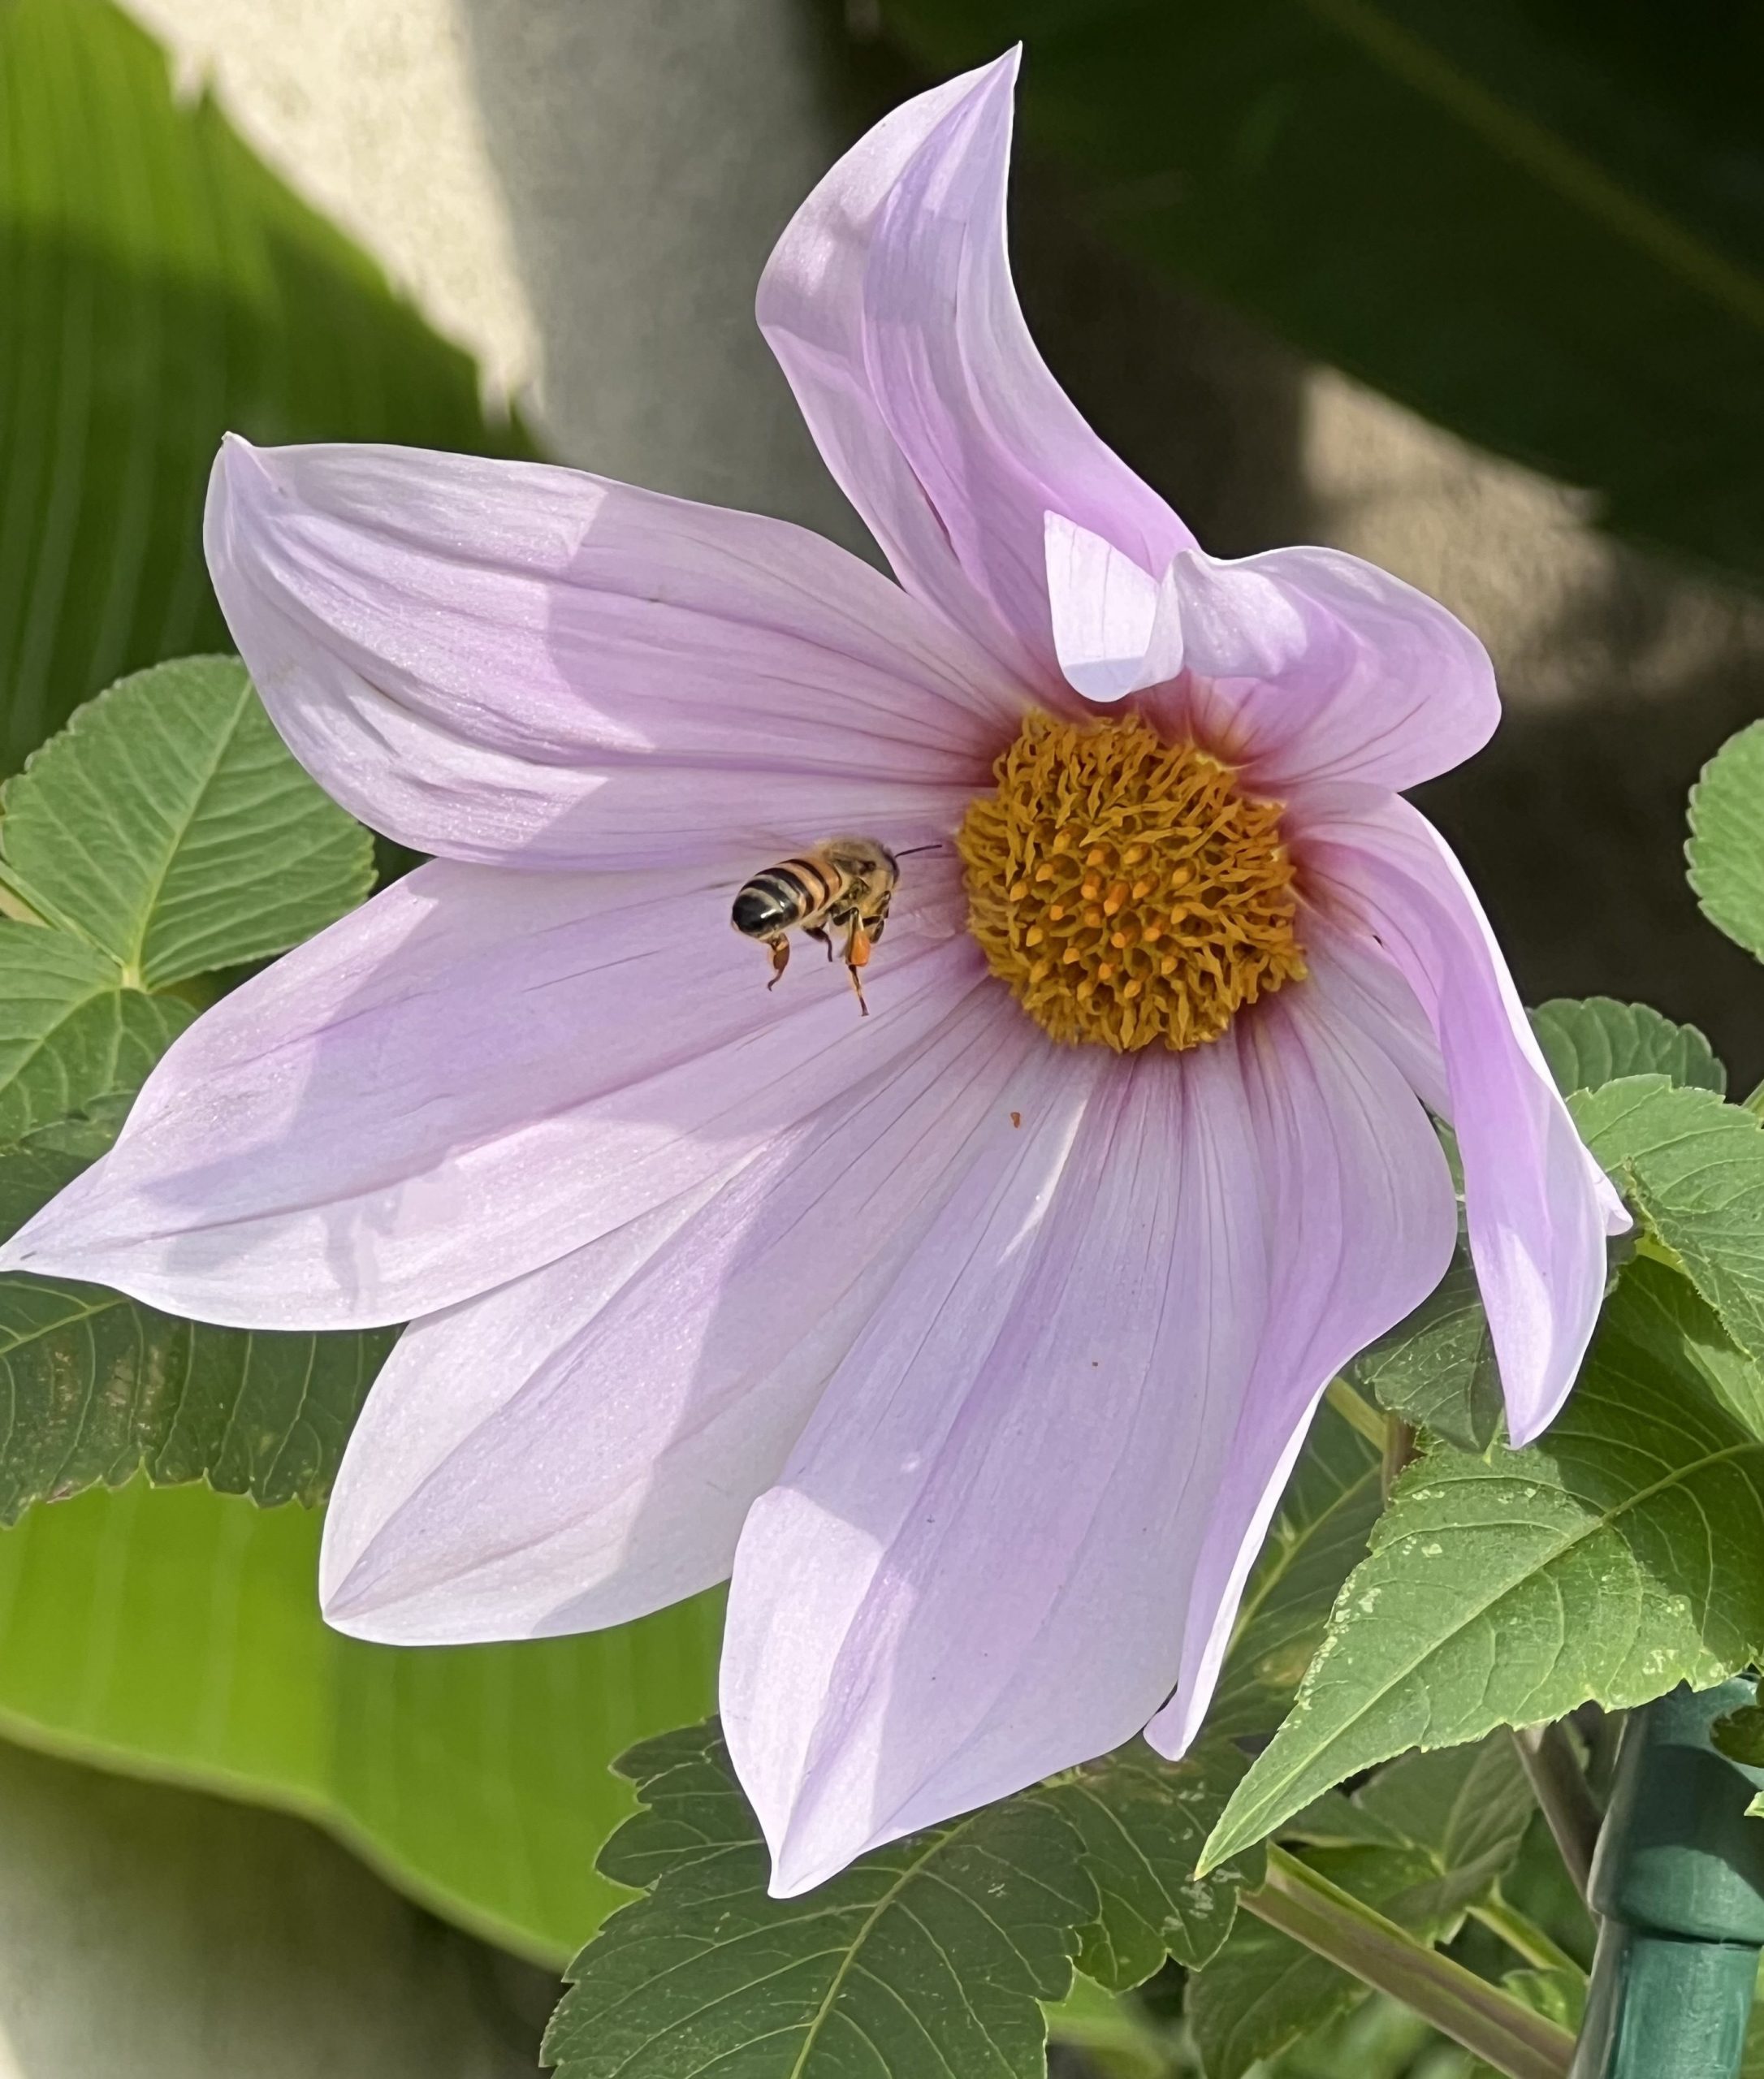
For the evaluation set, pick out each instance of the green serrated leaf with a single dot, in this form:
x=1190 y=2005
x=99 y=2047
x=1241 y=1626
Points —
x=69 y=1031
x=1694 y=1169
x=1592 y=1040
x=1620 y=1555
x=928 y=1956
x=1425 y=1839
x=1465 y=1808
x=160 y=286
x=1337 y=1820
x=1437 y=1368
x=175 y=1633
x=168 y=827
x=98 y=1386
x=1726 y=849
x=1317 y=1538
x=1678 y=1330
x=1142 y=1820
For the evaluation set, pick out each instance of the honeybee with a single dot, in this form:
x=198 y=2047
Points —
x=845 y=884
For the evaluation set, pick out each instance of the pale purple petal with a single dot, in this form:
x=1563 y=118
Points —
x=1305 y=666
x=1106 y=617
x=580 y=1446
x=889 y=303
x=473 y=1074
x=1361 y=1215
x=1537 y=1206
x=1353 y=975
x=1021 y=1507
x=508 y=663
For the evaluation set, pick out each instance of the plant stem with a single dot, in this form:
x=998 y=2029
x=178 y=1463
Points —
x=1521 y=1932
x=1559 y=1786
x=1356 y=1411
x=1398 y=1450
x=1489 y=2023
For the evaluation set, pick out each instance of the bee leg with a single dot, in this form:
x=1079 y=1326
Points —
x=819 y=933
x=780 y=958
x=856 y=958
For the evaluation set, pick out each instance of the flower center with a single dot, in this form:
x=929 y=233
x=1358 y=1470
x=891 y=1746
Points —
x=1123 y=889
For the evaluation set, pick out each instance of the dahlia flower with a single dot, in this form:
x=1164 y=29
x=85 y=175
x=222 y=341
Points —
x=971 y=1339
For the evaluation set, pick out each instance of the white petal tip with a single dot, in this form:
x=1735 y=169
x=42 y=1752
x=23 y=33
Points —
x=1529 y=1413
x=368 y=1601
x=238 y=457
x=1001 y=71
x=1109 y=634
x=1170 y=1734
x=356 y=1608
x=383 y=1620
x=794 y=1872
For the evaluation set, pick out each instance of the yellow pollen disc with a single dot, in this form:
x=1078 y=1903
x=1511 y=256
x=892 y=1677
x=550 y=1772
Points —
x=1173 y=950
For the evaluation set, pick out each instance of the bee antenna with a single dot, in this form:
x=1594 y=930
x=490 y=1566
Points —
x=914 y=851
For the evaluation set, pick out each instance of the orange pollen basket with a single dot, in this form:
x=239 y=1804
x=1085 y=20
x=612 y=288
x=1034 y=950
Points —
x=1123 y=889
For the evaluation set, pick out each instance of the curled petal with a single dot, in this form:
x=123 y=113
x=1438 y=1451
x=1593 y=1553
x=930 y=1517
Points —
x=1307 y=665
x=508 y=663
x=1028 y=1496
x=889 y=302
x=1110 y=635
x=1537 y=1206
x=1304 y=666
x=580 y=1447
x=468 y=1077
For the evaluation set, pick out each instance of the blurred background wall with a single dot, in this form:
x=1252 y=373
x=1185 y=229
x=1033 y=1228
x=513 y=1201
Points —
x=582 y=193
x=156 y=1932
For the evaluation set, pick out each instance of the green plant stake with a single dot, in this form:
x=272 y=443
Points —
x=1679 y=1881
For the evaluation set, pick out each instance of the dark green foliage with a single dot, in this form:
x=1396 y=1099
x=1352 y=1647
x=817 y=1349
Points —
x=1142 y=1821
x=1693 y=1168
x=167 y=829
x=1592 y=1040
x=1727 y=844
x=1424 y=1840
x=1319 y=1535
x=98 y=1386
x=928 y=1957
x=1436 y=1369
x=165 y=832
x=1509 y=1589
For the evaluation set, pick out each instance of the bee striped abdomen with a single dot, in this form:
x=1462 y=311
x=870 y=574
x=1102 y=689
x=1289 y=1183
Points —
x=782 y=897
